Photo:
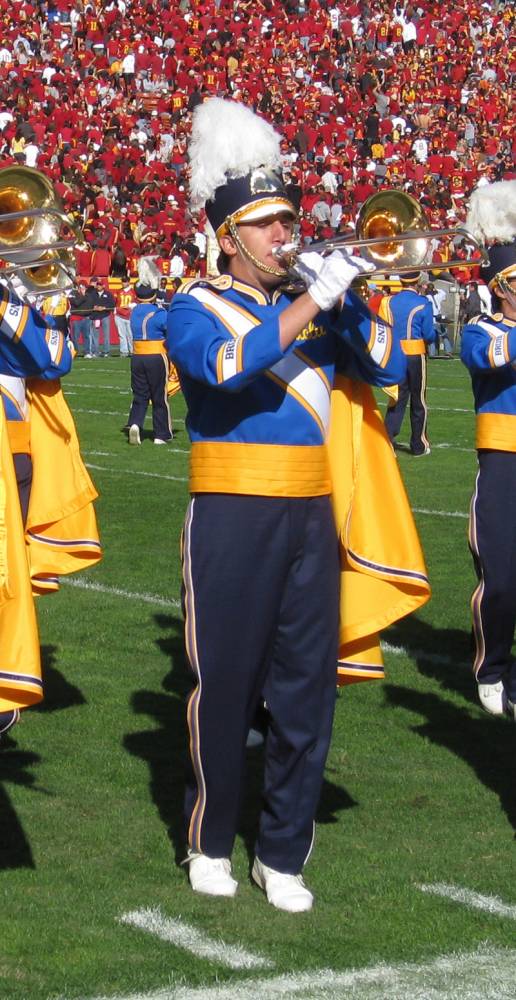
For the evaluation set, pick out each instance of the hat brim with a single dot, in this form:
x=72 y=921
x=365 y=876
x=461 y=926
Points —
x=502 y=262
x=507 y=273
x=257 y=210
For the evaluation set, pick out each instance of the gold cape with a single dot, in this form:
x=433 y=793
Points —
x=20 y=668
x=61 y=532
x=383 y=572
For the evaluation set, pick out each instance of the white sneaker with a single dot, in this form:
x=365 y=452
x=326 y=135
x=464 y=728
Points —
x=159 y=441
x=134 y=434
x=211 y=875
x=493 y=698
x=285 y=892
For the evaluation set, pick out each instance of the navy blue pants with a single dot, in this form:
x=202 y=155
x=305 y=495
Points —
x=413 y=388
x=261 y=594
x=149 y=374
x=492 y=539
x=23 y=470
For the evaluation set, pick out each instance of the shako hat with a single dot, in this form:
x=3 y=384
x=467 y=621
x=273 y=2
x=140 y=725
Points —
x=491 y=219
x=144 y=292
x=409 y=277
x=235 y=165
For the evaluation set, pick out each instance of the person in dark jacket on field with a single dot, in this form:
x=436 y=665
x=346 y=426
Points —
x=82 y=311
x=103 y=309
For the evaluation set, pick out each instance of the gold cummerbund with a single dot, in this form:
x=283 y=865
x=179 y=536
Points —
x=413 y=346
x=149 y=347
x=496 y=431
x=18 y=432
x=271 y=470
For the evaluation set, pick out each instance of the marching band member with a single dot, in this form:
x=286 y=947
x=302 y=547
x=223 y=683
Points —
x=411 y=317
x=260 y=548
x=47 y=523
x=489 y=352
x=149 y=362
x=27 y=347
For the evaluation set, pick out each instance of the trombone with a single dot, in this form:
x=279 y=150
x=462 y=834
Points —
x=37 y=238
x=394 y=234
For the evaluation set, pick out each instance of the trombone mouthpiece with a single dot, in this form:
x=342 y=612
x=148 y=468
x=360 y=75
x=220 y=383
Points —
x=286 y=253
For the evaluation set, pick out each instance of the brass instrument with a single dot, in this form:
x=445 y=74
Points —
x=36 y=236
x=393 y=233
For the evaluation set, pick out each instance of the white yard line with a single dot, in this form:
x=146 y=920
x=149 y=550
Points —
x=142 y=598
x=452 y=409
x=115 y=413
x=101 y=413
x=440 y=513
x=169 y=450
x=190 y=939
x=473 y=900
x=98 y=388
x=136 y=472
x=444 y=446
x=485 y=974
x=418 y=654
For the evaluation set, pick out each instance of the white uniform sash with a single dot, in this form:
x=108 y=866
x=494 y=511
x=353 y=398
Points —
x=294 y=372
x=14 y=389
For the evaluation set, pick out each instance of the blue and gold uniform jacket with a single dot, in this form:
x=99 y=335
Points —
x=28 y=346
x=149 y=328
x=411 y=317
x=489 y=352
x=267 y=434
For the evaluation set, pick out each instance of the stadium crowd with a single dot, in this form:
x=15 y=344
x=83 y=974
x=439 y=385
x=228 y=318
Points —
x=371 y=94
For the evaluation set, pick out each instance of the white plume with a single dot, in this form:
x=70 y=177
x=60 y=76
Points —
x=492 y=212
x=228 y=140
x=148 y=272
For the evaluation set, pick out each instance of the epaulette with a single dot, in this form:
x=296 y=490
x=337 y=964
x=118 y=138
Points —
x=484 y=317
x=487 y=322
x=219 y=284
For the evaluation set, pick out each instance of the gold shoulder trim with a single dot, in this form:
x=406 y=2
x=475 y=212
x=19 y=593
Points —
x=218 y=284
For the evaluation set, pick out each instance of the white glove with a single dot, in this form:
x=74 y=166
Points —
x=308 y=266
x=335 y=277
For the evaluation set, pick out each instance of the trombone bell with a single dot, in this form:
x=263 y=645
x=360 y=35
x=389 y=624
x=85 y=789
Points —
x=392 y=231
x=13 y=231
x=393 y=213
x=31 y=231
x=54 y=271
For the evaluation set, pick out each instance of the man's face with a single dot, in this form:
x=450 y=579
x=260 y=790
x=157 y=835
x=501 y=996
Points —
x=260 y=239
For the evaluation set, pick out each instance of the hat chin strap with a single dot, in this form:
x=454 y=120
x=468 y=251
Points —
x=507 y=290
x=233 y=232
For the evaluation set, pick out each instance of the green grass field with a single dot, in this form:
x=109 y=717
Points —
x=420 y=785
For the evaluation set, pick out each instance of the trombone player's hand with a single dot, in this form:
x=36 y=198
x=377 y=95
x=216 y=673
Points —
x=328 y=278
